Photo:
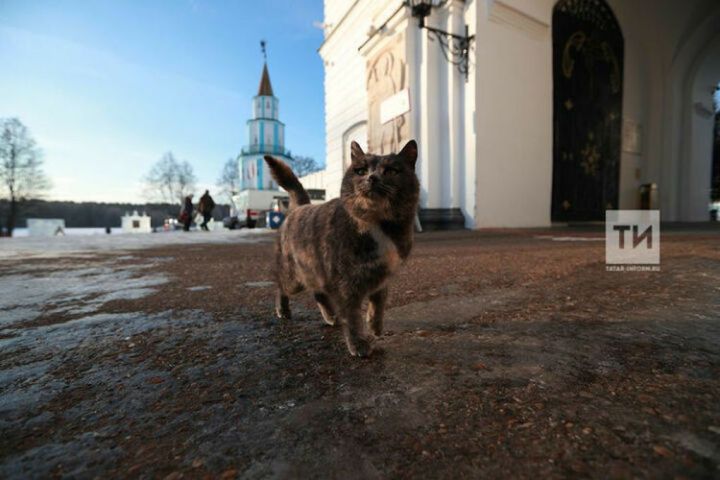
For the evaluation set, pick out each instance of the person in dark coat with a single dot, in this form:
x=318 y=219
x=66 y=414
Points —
x=205 y=207
x=186 y=213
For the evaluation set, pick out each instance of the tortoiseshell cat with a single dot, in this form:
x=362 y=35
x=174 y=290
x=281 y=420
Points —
x=346 y=249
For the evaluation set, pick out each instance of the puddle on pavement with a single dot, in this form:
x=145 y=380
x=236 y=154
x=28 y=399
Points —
x=81 y=289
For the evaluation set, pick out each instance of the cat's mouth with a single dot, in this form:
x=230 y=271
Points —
x=377 y=190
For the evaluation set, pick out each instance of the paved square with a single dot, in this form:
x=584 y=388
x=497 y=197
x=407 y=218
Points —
x=508 y=354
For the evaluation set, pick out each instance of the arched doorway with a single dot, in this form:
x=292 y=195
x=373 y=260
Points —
x=588 y=50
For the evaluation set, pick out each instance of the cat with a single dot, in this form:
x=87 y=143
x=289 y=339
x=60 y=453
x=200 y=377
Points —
x=345 y=250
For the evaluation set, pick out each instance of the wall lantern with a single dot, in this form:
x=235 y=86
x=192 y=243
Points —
x=455 y=48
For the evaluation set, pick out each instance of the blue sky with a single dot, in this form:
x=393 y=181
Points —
x=106 y=87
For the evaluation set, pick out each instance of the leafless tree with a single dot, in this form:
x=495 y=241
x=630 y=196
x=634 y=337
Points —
x=304 y=165
x=170 y=180
x=229 y=180
x=21 y=174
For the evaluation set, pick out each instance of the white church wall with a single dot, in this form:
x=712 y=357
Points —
x=335 y=10
x=505 y=178
x=514 y=114
x=345 y=84
x=315 y=180
x=635 y=106
x=640 y=68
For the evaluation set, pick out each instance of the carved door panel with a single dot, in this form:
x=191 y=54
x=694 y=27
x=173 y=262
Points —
x=587 y=74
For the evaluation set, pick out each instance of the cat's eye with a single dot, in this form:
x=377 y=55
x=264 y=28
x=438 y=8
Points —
x=361 y=171
x=391 y=171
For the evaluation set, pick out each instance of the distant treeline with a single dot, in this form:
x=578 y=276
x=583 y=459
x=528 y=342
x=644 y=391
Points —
x=93 y=214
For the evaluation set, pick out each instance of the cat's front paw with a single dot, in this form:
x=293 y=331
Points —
x=283 y=314
x=360 y=347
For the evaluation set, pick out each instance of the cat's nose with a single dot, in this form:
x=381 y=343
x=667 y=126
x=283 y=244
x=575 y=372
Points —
x=374 y=178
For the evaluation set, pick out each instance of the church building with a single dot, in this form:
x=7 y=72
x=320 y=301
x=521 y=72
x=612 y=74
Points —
x=265 y=135
x=529 y=112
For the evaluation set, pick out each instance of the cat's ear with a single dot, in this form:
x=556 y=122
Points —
x=356 y=152
x=409 y=153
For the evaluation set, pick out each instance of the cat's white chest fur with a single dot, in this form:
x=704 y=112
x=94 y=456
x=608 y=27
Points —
x=387 y=250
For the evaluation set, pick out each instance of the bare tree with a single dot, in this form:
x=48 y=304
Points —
x=304 y=165
x=170 y=180
x=229 y=180
x=21 y=174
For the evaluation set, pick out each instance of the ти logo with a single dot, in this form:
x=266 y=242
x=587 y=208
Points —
x=632 y=239
x=636 y=239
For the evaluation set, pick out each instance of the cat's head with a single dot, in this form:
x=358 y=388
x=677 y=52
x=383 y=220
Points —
x=381 y=187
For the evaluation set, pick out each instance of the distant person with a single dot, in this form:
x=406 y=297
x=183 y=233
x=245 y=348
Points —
x=186 y=213
x=205 y=207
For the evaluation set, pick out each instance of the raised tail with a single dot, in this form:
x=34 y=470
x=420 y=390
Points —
x=285 y=177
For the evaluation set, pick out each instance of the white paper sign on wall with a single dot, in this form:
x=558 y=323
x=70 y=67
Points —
x=395 y=106
x=631 y=137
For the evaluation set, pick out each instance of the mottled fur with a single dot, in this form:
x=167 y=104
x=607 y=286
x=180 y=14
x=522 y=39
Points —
x=345 y=250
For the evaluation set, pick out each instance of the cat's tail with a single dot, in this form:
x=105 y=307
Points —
x=285 y=177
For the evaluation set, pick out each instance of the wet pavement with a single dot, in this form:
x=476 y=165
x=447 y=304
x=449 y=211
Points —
x=508 y=354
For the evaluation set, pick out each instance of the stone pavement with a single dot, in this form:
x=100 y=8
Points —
x=507 y=354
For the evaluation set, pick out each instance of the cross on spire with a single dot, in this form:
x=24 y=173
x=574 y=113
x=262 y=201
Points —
x=265 y=88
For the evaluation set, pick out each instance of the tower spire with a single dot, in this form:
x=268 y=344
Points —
x=265 y=88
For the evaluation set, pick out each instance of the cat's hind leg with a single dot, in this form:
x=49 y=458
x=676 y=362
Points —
x=282 y=305
x=326 y=309
x=376 y=311
x=287 y=285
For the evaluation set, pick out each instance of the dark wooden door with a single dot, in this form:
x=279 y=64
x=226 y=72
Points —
x=587 y=78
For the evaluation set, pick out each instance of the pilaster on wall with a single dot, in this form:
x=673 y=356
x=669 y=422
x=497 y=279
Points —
x=468 y=177
x=413 y=37
x=514 y=113
x=443 y=110
x=456 y=115
x=431 y=76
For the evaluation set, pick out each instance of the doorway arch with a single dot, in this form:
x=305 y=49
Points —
x=696 y=167
x=588 y=55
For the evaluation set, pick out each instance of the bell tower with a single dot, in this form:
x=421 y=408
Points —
x=265 y=136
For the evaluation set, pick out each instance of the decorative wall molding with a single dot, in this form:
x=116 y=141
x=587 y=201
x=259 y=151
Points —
x=703 y=110
x=503 y=14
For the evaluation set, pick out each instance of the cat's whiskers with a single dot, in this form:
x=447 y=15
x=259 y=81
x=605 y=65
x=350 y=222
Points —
x=384 y=188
